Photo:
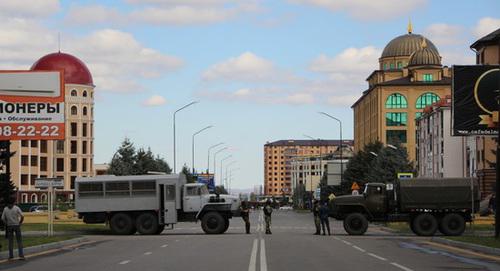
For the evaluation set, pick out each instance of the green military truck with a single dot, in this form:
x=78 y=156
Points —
x=427 y=204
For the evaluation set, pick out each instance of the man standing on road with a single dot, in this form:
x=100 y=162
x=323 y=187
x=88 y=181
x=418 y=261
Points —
x=268 y=210
x=245 y=214
x=13 y=217
x=317 y=222
x=323 y=213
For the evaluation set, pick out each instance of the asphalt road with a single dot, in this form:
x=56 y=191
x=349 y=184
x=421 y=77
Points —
x=291 y=247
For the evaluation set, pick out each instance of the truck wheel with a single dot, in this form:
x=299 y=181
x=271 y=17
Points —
x=147 y=223
x=425 y=225
x=452 y=224
x=355 y=224
x=213 y=223
x=161 y=228
x=122 y=224
x=226 y=225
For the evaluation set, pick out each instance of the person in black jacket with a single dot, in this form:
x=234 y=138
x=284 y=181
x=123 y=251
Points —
x=317 y=221
x=245 y=215
x=268 y=210
x=323 y=214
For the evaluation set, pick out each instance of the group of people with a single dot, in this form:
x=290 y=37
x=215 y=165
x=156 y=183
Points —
x=12 y=218
x=320 y=212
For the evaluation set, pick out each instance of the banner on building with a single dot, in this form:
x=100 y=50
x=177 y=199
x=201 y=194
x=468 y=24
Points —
x=207 y=179
x=31 y=105
x=474 y=100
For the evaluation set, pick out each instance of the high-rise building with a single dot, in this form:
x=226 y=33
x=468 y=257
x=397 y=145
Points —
x=278 y=157
x=68 y=158
x=410 y=77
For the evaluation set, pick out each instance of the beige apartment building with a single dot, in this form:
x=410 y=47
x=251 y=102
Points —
x=410 y=77
x=68 y=158
x=278 y=158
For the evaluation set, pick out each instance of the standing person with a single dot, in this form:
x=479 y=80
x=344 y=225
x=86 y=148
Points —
x=317 y=222
x=268 y=210
x=323 y=213
x=245 y=214
x=492 y=204
x=13 y=217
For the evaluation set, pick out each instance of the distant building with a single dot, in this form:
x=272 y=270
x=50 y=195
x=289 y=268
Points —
x=410 y=77
x=101 y=169
x=278 y=157
x=439 y=155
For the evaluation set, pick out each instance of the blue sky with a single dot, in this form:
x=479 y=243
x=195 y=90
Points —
x=261 y=70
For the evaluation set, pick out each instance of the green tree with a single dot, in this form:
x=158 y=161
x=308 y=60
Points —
x=220 y=189
x=359 y=167
x=7 y=188
x=145 y=161
x=190 y=178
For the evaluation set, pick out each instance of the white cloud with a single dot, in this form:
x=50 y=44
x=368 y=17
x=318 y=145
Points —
x=300 y=98
x=445 y=34
x=351 y=60
x=367 y=9
x=155 y=100
x=28 y=8
x=95 y=14
x=344 y=100
x=485 y=26
x=183 y=15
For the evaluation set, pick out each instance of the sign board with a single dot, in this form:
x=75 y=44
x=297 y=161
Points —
x=333 y=170
x=48 y=182
x=405 y=175
x=31 y=105
x=317 y=193
x=474 y=105
x=355 y=186
x=207 y=179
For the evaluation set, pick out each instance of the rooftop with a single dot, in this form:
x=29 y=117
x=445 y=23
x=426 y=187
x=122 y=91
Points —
x=308 y=142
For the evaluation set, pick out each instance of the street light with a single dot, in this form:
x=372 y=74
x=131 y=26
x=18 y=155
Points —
x=208 y=157
x=192 y=145
x=341 y=162
x=231 y=177
x=215 y=158
x=227 y=166
x=189 y=104
x=221 y=162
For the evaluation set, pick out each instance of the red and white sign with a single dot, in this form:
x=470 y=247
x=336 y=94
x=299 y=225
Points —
x=31 y=105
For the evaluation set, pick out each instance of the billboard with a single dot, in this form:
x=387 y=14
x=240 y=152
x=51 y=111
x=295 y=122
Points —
x=31 y=105
x=207 y=179
x=474 y=104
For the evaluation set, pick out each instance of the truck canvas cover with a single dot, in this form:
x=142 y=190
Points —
x=442 y=193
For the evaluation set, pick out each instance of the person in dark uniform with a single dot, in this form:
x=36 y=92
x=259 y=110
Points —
x=317 y=222
x=245 y=214
x=268 y=210
x=323 y=213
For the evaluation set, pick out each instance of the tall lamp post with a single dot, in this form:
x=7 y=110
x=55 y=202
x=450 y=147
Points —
x=341 y=162
x=208 y=157
x=227 y=166
x=215 y=158
x=189 y=104
x=192 y=145
x=221 y=163
x=231 y=177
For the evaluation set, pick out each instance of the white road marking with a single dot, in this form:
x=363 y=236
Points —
x=176 y=240
x=124 y=262
x=164 y=246
x=263 y=261
x=378 y=257
x=253 y=257
x=358 y=248
x=148 y=253
x=347 y=243
x=402 y=267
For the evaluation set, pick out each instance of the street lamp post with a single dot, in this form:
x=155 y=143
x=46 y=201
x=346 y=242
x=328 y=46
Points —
x=208 y=157
x=189 y=104
x=192 y=145
x=215 y=158
x=227 y=166
x=341 y=162
x=231 y=178
x=221 y=163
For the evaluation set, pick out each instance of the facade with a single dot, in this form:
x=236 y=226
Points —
x=278 y=157
x=68 y=158
x=410 y=77
x=439 y=154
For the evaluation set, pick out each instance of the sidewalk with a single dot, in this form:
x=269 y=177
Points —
x=28 y=251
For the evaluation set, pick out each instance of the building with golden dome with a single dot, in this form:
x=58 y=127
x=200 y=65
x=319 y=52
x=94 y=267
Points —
x=66 y=159
x=410 y=77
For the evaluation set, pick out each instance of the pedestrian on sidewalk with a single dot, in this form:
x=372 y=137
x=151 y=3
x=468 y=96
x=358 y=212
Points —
x=13 y=217
x=317 y=222
x=268 y=210
x=324 y=217
x=245 y=214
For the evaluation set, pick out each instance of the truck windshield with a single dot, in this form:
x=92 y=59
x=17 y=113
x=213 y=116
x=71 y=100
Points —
x=204 y=190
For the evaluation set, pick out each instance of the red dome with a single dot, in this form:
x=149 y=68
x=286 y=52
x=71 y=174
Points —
x=75 y=71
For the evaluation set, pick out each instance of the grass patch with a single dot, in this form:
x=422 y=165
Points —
x=30 y=241
x=84 y=228
x=401 y=227
x=487 y=241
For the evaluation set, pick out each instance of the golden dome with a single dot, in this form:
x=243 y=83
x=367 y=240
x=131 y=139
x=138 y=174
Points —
x=406 y=45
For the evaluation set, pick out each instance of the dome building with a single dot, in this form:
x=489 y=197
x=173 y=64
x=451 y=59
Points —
x=410 y=77
x=68 y=158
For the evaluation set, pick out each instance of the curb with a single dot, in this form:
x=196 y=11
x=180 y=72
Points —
x=469 y=246
x=49 y=246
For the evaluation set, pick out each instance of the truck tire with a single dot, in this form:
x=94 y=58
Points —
x=226 y=225
x=147 y=223
x=213 y=223
x=355 y=224
x=161 y=228
x=122 y=224
x=452 y=224
x=425 y=225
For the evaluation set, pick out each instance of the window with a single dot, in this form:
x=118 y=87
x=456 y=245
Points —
x=426 y=99
x=74 y=110
x=400 y=65
x=33 y=177
x=392 y=66
x=84 y=111
x=73 y=146
x=428 y=77
x=144 y=188
x=84 y=129
x=43 y=163
x=84 y=147
x=395 y=119
x=395 y=136
x=34 y=161
x=84 y=164
x=60 y=146
x=24 y=160
x=24 y=179
x=385 y=66
x=24 y=143
x=396 y=100
x=73 y=165
x=34 y=143
x=72 y=182
x=73 y=93
x=192 y=191
x=74 y=129
x=43 y=146
x=84 y=94
x=117 y=188
x=60 y=164
x=90 y=190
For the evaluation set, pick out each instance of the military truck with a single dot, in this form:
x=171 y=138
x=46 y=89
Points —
x=148 y=203
x=427 y=204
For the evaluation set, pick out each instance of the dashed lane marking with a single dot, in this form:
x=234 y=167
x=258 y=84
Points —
x=402 y=267
x=124 y=262
x=358 y=248
x=164 y=246
x=378 y=257
x=148 y=253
